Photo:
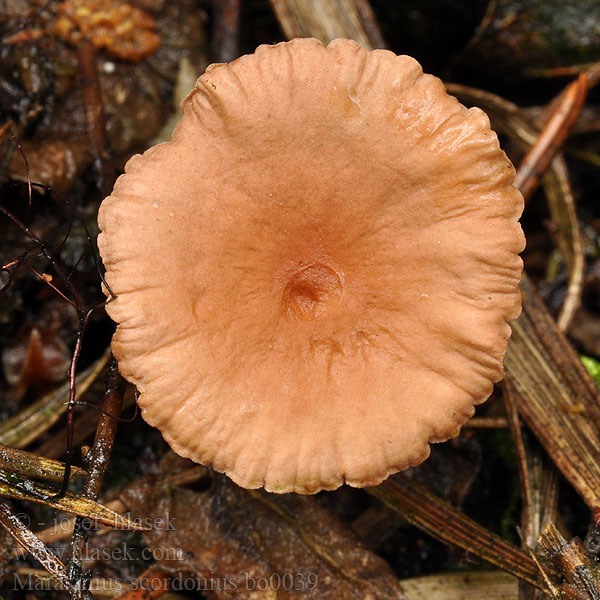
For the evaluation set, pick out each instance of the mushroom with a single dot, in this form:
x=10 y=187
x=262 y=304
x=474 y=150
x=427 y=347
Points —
x=126 y=32
x=313 y=278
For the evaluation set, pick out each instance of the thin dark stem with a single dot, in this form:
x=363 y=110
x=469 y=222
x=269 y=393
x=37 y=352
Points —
x=102 y=412
x=46 y=253
x=48 y=283
x=72 y=394
x=515 y=428
x=88 y=235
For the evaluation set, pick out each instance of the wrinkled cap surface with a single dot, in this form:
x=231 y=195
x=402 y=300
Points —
x=314 y=276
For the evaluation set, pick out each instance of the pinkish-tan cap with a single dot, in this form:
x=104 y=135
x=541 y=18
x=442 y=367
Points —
x=314 y=276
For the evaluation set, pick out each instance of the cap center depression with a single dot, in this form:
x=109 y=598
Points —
x=311 y=292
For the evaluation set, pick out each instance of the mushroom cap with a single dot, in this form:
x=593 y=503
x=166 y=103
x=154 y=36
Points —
x=313 y=278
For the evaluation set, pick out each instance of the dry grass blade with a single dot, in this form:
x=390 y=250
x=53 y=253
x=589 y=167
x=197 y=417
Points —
x=539 y=486
x=562 y=207
x=557 y=398
x=543 y=478
x=53 y=534
x=536 y=163
x=327 y=20
x=443 y=522
x=539 y=481
x=26 y=464
x=469 y=585
x=72 y=504
x=31 y=422
x=32 y=544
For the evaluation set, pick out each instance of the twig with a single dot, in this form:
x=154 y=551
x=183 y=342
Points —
x=538 y=476
x=103 y=443
x=555 y=132
x=539 y=490
x=580 y=573
x=26 y=464
x=87 y=422
x=94 y=114
x=517 y=434
x=71 y=503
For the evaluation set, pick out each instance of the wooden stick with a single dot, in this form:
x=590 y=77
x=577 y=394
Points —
x=329 y=19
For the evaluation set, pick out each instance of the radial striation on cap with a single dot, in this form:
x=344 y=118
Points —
x=313 y=278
